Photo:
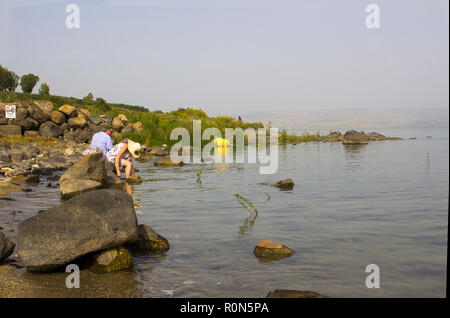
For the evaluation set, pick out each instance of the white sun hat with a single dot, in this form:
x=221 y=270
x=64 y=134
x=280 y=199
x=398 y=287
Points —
x=134 y=148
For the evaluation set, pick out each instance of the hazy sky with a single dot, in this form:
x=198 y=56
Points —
x=235 y=57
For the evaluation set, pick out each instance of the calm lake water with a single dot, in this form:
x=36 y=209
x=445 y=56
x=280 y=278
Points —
x=384 y=203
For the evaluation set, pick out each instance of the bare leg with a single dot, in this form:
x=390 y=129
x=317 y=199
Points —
x=128 y=167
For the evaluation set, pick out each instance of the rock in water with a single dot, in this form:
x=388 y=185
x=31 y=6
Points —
x=149 y=241
x=281 y=293
x=134 y=179
x=355 y=137
x=271 y=250
x=286 y=184
x=89 y=168
x=6 y=247
x=158 y=151
x=168 y=163
x=88 y=223
x=111 y=260
x=74 y=187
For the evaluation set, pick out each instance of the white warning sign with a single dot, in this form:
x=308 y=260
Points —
x=10 y=111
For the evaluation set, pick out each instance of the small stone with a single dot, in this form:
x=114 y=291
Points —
x=111 y=260
x=271 y=250
x=149 y=241
x=134 y=179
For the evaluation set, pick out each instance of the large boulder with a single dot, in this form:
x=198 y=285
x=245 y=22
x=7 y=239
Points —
x=355 y=137
x=37 y=113
x=6 y=247
x=10 y=130
x=88 y=223
x=74 y=187
x=77 y=122
x=50 y=129
x=123 y=118
x=90 y=167
x=58 y=117
x=117 y=124
x=84 y=113
x=28 y=123
x=149 y=241
x=68 y=110
x=45 y=105
x=127 y=129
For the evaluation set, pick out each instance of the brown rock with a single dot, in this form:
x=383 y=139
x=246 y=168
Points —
x=68 y=110
x=58 y=117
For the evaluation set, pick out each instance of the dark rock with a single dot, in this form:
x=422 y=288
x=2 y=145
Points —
x=158 y=151
x=149 y=241
x=4 y=156
x=58 y=117
x=91 y=222
x=6 y=247
x=111 y=260
x=10 y=130
x=37 y=113
x=286 y=184
x=355 y=137
x=50 y=129
x=281 y=293
x=271 y=250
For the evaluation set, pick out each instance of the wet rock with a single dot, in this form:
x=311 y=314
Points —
x=355 y=137
x=271 y=250
x=58 y=117
x=10 y=130
x=32 y=179
x=168 y=163
x=112 y=180
x=111 y=260
x=149 y=241
x=282 y=293
x=158 y=151
x=50 y=129
x=68 y=110
x=6 y=247
x=88 y=223
x=286 y=184
x=134 y=179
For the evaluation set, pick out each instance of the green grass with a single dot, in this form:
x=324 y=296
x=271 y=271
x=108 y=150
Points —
x=157 y=125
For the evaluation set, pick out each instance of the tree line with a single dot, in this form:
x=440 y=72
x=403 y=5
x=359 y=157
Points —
x=9 y=81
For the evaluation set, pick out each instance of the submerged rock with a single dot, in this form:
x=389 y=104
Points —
x=111 y=260
x=149 y=241
x=167 y=162
x=134 y=179
x=158 y=151
x=91 y=222
x=286 y=184
x=283 y=293
x=6 y=247
x=271 y=250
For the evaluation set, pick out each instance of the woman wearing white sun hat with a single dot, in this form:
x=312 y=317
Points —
x=120 y=155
